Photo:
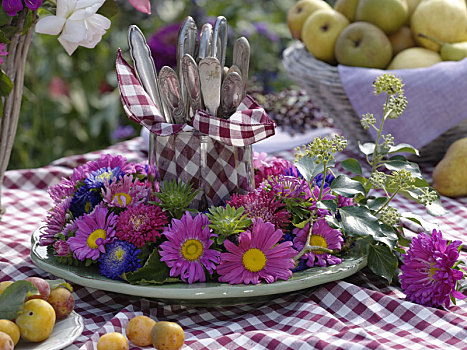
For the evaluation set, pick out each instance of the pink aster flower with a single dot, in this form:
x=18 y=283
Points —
x=55 y=222
x=61 y=248
x=267 y=166
x=313 y=196
x=263 y=204
x=287 y=186
x=140 y=224
x=94 y=231
x=257 y=257
x=323 y=236
x=186 y=250
x=125 y=192
x=428 y=274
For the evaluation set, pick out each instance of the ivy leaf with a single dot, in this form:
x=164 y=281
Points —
x=359 y=221
x=352 y=165
x=13 y=297
x=436 y=208
x=347 y=187
x=382 y=261
x=404 y=148
x=5 y=84
x=327 y=204
x=154 y=271
x=309 y=168
x=376 y=203
x=367 y=148
x=397 y=164
x=59 y=283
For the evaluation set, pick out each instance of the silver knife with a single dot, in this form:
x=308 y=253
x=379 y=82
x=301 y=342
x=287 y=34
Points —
x=144 y=66
x=219 y=40
x=205 y=42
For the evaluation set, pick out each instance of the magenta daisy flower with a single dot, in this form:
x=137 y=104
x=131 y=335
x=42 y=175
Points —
x=141 y=224
x=287 y=186
x=257 y=257
x=110 y=161
x=428 y=277
x=186 y=250
x=61 y=248
x=55 y=222
x=267 y=167
x=124 y=192
x=94 y=231
x=313 y=196
x=323 y=236
x=263 y=204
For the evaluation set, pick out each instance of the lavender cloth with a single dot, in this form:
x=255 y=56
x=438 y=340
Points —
x=436 y=95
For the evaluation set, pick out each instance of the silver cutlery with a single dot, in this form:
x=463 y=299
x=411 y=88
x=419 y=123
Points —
x=210 y=78
x=231 y=94
x=192 y=83
x=144 y=66
x=219 y=40
x=205 y=42
x=171 y=94
x=241 y=59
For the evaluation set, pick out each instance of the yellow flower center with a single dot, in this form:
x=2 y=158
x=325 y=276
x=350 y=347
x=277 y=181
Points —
x=94 y=236
x=87 y=207
x=105 y=176
x=192 y=249
x=122 y=198
x=433 y=271
x=254 y=260
x=118 y=254
x=137 y=221
x=317 y=240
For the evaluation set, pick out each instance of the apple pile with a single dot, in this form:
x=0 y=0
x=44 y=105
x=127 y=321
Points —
x=29 y=309
x=384 y=34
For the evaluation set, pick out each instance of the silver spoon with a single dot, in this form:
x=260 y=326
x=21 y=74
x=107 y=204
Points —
x=192 y=82
x=241 y=59
x=231 y=94
x=210 y=78
x=219 y=40
x=205 y=42
x=171 y=94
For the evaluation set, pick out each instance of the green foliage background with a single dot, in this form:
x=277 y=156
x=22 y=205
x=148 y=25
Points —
x=53 y=127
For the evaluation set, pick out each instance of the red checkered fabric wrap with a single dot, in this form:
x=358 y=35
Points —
x=248 y=125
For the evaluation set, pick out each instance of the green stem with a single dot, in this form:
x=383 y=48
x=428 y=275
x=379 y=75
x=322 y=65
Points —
x=387 y=202
x=322 y=182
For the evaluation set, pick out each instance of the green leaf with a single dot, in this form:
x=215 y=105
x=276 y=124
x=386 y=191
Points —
x=109 y=9
x=154 y=271
x=13 y=297
x=332 y=222
x=389 y=236
x=359 y=221
x=27 y=23
x=366 y=148
x=404 y=148
x=309 y=168
x=3 y=38
x=382 y=261
x=6 y=85
x=352 y=165
x=59 y=283
x=347 y=187
x=396 y=164
x=376 y=203
x=436 y=208
x=327 y=204
x=10 y=30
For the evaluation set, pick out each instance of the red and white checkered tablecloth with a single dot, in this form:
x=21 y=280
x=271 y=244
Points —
x=360 y=312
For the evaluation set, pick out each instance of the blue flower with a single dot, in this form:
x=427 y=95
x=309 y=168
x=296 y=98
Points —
x=97 y=178
x=84 y=201
x=327 y=180
x=120 y=257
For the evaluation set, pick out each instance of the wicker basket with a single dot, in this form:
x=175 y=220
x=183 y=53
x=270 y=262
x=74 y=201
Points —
x=323 y=84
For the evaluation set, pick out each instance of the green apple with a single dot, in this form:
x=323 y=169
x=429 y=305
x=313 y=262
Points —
x=443 y=20
x=412 y=5
x=347 y=8
x=298 y=13
x=389 y=15
x=320 y=32
x=401 y=40
x=414 y=57
x=363 y=44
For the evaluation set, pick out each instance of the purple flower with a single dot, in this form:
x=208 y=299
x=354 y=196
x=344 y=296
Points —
x=55 y=222
x=33 y=4
x=287 y=186
x=327 y=180
x=257 y=257
x=94 y=231
x=428 y=275
x=186 y=250
x=262 y=29
x=313 y=196
x=120 y=257
x=123 y=132
x=61 y=248
x=12 y=7
x=323 y=236
x=163 y=45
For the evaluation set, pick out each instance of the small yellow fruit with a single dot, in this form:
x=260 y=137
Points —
x=4 y=285
x=167 y=336
x=6 y=343
x=37 y=320
x=138 y=330
x=113 y=341
x=10 y=328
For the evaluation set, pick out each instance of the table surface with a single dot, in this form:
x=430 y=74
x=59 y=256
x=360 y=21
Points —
x=359 y=312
